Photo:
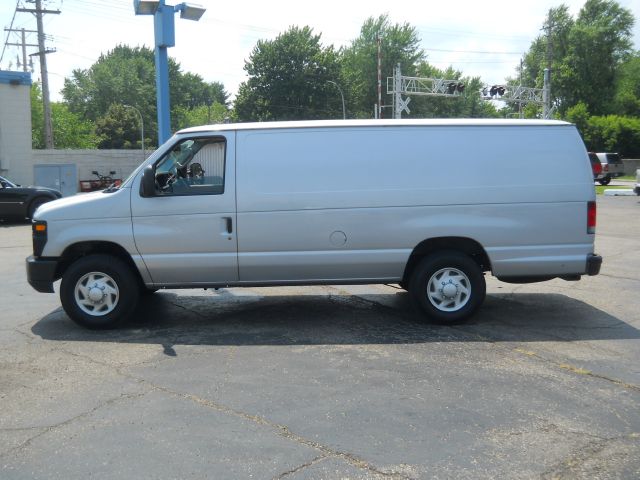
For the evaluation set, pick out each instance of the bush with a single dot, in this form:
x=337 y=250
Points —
x=611 y=133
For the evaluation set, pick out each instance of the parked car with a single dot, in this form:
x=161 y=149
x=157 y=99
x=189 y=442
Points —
x=18 y=202
x=596 y=167
x=328 y=202
x=612 y=166
x=637 y=187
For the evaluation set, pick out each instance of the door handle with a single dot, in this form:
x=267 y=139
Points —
x=229 y=224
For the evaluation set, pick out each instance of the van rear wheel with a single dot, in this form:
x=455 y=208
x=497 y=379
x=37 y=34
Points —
x=448 y=287
x=99 y=291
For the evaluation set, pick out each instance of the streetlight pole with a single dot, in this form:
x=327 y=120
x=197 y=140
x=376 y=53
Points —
x=165 y=37
x=344 y=112
x=141 y=128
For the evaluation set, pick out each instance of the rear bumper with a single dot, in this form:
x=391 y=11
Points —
x=594 y=262
x=41 y=273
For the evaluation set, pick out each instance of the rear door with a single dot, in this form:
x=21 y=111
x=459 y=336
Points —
x=185 y=233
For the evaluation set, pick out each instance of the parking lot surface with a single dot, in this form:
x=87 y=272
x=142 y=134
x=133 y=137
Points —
x=340 y=382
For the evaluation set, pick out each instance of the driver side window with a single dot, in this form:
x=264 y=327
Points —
x=193 y=167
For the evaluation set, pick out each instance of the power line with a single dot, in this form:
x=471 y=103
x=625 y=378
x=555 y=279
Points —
x=471 y=51
x=9 y=32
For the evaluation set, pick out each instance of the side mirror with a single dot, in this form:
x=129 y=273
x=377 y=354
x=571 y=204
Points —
x=148 y=182
x=94 y=173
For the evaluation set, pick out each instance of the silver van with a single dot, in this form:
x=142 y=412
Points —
x=430 y=204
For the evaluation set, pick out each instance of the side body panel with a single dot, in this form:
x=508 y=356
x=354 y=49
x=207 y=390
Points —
x=339 y=204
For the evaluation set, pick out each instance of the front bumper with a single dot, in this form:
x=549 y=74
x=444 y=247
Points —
x=41 y=273
x=594 y=262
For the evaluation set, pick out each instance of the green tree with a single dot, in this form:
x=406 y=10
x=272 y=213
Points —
x=69 y=129
x=288 y=79
x=126 y=75
x=400 y=43
x=119 y=128
x=585 y=54
x=599 y=43
x=202 y=115
x=627 y=101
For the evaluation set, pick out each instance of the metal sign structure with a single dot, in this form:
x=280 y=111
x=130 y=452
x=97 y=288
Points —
x=518 y=94
x=440 y=87
x=434 y=87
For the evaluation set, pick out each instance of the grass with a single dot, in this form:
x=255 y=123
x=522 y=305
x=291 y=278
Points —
x=601 y=188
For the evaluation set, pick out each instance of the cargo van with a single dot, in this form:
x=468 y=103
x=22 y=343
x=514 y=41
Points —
x=432 y=205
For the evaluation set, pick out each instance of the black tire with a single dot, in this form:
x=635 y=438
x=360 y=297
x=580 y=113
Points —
x=605 y=181
x=109 y=273
x=463 y=278
x=35 y=203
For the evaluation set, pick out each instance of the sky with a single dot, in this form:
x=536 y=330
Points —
x=473 y=37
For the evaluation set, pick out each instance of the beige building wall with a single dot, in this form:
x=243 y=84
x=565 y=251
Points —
x=123 y=162
x=15 y=127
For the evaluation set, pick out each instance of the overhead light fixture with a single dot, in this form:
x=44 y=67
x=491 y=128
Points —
x=190 y=11
x=145 y=7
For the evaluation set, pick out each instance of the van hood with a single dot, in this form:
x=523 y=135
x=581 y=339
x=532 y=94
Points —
x=112 y=204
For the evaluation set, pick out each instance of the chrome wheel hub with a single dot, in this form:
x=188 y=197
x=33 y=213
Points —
x=96 y=294
x=448 y=289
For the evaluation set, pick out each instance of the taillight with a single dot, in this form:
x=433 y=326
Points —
x=591 y=217
x=597 y=168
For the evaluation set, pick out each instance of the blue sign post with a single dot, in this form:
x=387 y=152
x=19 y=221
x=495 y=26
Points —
x=165 y=37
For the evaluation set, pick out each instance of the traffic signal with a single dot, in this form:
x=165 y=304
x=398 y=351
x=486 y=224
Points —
x=497 y=90
x=453 y=87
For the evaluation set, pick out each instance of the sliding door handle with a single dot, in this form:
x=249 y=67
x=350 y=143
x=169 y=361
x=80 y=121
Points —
x=229 y=223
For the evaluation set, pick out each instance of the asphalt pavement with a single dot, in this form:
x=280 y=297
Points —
x=329 y=382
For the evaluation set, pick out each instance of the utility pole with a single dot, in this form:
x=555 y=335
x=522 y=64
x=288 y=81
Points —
x=42 y=53
x=546 y=108
x=24 y=46
x=379 y=106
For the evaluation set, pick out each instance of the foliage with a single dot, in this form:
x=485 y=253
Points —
x=127 y=75
x=120 y=128
x=613 y=133
x=289 y=79
x=400 y=43
x=579 y=115
x=585 y=55
x=69 y=129
x=627 y=101
x=202 y=115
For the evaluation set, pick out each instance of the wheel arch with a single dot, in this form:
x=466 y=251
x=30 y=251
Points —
x=465 y=245
x=82 y=249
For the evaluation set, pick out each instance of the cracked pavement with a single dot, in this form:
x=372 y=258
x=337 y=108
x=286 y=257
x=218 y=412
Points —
x=340 y=382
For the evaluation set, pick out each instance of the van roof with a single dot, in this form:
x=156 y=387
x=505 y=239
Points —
x=370 y=123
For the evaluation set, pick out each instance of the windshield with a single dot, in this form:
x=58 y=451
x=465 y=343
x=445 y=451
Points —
x=6 y=183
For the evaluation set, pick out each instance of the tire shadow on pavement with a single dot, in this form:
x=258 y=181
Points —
x=224 y=318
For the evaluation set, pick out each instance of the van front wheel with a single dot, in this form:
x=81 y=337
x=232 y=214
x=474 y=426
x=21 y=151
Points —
x=99 y=291
x=448 y=287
